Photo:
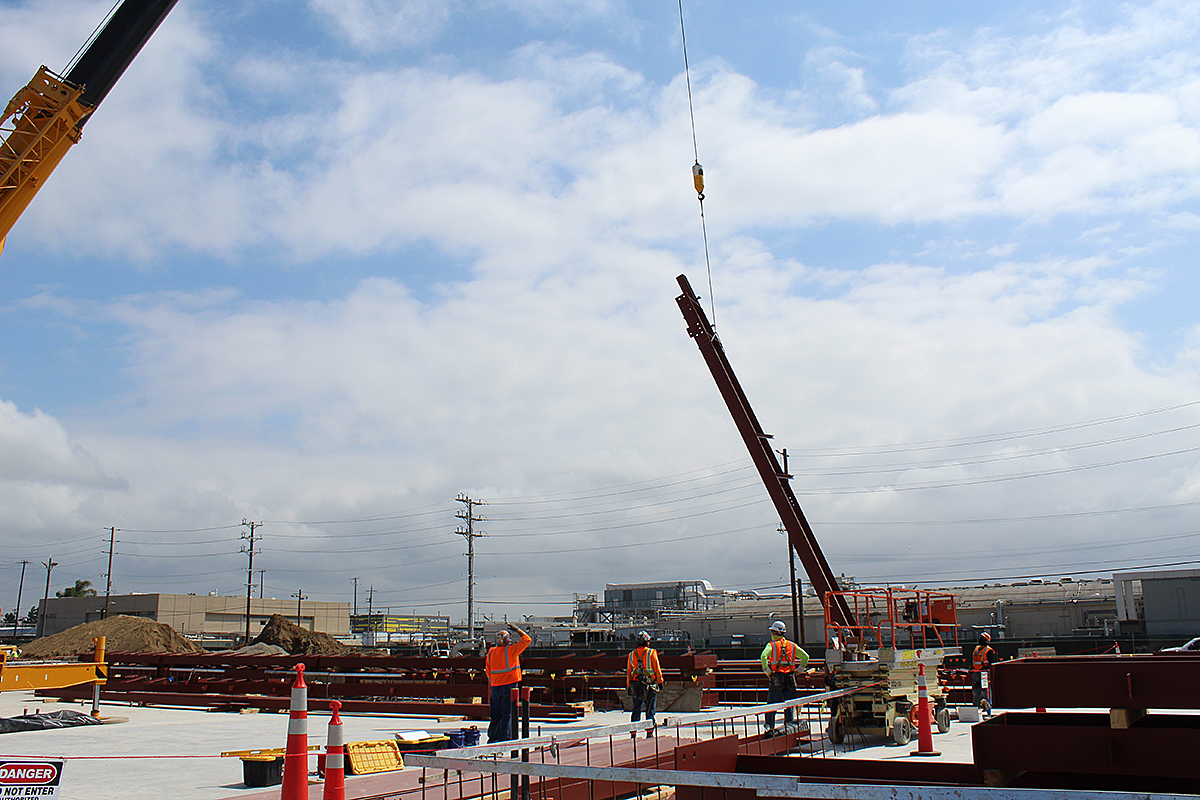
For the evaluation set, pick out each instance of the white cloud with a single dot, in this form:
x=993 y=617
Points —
x=376 y=24
x=554 y=362
x=35 y=447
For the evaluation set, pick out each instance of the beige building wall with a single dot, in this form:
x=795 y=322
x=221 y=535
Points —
x=198 y=614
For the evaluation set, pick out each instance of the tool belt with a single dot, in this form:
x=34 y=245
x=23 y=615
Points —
x=783 y=680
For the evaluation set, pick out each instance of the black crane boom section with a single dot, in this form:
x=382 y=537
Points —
x=114 y=48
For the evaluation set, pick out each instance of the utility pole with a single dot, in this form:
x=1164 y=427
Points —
x=49 y=564
x=20 y=586
x=249 y=549
x=354 y=608
x=468 y=516
x=300 y=597
x=112 y=540
x=260 y=572
x=371 y=613
x=797 y=619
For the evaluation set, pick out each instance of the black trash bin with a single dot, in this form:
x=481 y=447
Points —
x=262 y=770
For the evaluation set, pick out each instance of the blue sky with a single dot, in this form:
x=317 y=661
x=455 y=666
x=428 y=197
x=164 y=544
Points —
x=330 y=264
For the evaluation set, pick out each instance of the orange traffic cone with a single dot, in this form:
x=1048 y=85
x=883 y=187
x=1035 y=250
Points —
x=924 y=729
x=335 y=771
x=295 y=759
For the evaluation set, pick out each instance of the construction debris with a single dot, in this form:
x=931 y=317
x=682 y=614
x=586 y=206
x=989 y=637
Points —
x=123 y=634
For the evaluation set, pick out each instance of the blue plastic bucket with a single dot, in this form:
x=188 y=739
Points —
x=457 y=738
x=470 y=736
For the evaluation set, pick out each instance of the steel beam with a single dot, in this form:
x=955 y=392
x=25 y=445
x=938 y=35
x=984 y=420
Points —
x=770 y=785
x=1141 y=681
x=775 y=480
x=1159 y=746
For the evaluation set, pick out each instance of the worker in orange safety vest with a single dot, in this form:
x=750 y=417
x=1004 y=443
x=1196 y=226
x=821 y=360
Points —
x=982 y=659
x=780 y=660
x=643 y=678
x=503 y=666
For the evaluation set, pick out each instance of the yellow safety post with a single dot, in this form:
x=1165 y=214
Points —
x=99 y=659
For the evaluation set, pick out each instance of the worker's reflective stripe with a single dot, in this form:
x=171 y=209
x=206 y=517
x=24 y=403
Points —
x=979 y=657
x=509 y=666
x=783 y=656
x=641 y=671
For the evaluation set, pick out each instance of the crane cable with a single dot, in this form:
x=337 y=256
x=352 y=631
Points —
x=79 y=53
x=697 y=170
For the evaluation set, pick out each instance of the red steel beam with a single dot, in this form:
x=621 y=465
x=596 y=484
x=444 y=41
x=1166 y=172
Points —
x=775 y=480
x=470 y=710
x=1159 y=746
x=1141 y=681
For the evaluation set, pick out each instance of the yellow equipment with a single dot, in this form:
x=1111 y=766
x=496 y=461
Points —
x=20 y=675
x=44 y=119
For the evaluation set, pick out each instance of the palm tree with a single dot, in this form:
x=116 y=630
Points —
x=80 y=589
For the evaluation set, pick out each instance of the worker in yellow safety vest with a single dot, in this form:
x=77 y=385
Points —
x=982 y=660
x=780 y=660
x=643 y=678
x=503 y=666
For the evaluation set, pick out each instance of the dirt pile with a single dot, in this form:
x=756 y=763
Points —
x=299 y=641
x=122 y=635
x=259 y=649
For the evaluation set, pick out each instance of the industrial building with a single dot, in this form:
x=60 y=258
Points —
x=198 y=616
x=1031 y=609
x=1159 y=603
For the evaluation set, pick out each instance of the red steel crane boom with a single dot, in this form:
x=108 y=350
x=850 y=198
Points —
x=799 y=532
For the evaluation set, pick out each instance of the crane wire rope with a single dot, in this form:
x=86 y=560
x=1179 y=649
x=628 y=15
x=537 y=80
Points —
x=95 y=33
x=697 y=170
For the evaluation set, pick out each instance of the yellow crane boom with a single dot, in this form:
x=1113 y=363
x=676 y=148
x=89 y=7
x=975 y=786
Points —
x=46 y=117
x=38 y=128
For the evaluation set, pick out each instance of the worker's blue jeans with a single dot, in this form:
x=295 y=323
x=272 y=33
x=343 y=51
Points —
x=782 y=687
x=501 y=713
x=644 y=696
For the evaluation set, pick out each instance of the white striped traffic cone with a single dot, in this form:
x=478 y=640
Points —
x=335 y=771
x=924 y=729
x=295 y=759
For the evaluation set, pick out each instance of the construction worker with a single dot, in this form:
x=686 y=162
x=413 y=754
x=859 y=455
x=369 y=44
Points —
x=503 y=666
x=643 y=678
x=780 y=660
x=981 y=659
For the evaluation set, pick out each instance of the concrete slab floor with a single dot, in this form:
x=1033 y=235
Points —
x=173 y=752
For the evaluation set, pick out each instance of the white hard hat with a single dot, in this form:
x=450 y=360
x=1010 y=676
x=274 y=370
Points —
x=778 y=627
x=643 y=636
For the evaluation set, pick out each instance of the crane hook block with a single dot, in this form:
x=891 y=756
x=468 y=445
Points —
x=698 y=179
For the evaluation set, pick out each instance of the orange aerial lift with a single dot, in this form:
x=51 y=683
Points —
x=876 y=641
x=46 y=117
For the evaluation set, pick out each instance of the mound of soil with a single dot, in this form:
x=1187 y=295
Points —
x=259 y=649
x=299 y=641
x=122 y=635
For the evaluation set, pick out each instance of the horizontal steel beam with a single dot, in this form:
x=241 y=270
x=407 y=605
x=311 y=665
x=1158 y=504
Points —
x=770 y=785
x=1158 y=746
x=1141 y=681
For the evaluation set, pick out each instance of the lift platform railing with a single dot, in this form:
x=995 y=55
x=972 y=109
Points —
x=895 y=618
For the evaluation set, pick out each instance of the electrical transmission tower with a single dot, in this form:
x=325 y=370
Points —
x=467 y=515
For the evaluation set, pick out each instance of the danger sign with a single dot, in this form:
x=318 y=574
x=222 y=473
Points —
x=29 y=778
